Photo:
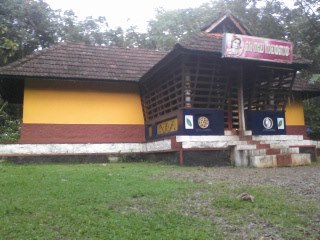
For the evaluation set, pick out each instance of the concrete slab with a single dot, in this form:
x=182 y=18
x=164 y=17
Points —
x=266 y=161
x=301 y=159
x=184 y=138
x=278 y=137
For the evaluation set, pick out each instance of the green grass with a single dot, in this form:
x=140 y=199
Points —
x=290 y=217
x=136 y=201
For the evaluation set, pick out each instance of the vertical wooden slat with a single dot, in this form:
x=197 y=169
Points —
x=240 y=100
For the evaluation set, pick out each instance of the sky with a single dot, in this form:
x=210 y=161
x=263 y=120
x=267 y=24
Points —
x=124 y=13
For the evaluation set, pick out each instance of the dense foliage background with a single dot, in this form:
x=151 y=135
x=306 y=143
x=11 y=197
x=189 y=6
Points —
x=31 y=25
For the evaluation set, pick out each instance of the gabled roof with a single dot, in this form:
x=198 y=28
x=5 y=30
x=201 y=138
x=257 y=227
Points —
x=210 y=38
x=212 y=43
x=78 y=61
x=227 y=23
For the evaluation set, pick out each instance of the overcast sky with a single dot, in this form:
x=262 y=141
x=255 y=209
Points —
x=123 y=13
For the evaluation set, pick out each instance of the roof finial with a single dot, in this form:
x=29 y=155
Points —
x=227 y=23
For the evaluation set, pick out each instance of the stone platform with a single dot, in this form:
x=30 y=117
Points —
x=246 y=150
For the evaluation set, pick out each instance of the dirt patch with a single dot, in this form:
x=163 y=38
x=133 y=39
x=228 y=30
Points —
x=304 y=181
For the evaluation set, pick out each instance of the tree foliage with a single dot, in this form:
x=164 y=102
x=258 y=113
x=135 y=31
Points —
x=30 y=25
x=10 y=122
x=7 y=46
x=304 y=30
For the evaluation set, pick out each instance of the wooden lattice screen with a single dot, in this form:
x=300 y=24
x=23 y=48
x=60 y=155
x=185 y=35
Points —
x=163 y=94
x=269 y=89
x=209 y=83
x=213 y=87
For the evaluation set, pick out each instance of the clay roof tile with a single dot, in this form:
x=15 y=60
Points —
x=79 y=61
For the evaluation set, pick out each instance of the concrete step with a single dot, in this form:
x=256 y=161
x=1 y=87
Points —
x=265 y=161
x=256 y=152
x=245 y=147
x=278 y=137
x=248 y=133
x=271 y=151
x=203 y=138
x=263 y=146
x=246 y=138
x=281 y=160
x=292 y=143
x=212 y=144
x=301 y=159
x=289 y=150
x=234 y=132
x=253 y=142
x=294 y=159
x=286 y=144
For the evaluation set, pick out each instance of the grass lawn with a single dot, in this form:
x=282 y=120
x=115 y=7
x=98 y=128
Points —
x=142 y=201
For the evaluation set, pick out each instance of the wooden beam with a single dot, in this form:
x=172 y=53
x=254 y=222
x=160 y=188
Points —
x=242 y=126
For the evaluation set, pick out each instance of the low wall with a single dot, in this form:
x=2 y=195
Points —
x=78 y=149
x=186 y=150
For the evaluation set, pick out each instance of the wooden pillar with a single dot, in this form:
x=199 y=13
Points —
x=242 y=123
x=181 y=157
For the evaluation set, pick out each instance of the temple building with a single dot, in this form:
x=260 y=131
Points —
x=221 y=90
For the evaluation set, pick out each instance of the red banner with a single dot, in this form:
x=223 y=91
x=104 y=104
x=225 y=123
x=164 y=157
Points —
x=256 y=48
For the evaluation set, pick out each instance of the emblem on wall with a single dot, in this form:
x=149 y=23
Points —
x=267 y=123
x=188 y=121
x=203 y=122
x=167 y=126
x=280 y=122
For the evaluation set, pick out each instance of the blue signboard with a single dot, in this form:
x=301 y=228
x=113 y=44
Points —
x=191 y=121
x=266 y=122
x=202 y=122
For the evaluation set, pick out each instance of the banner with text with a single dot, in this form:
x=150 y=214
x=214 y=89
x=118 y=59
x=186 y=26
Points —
x=256 y=48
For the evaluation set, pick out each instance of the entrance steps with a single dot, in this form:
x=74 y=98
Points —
x=274 y=151
x=256 y=151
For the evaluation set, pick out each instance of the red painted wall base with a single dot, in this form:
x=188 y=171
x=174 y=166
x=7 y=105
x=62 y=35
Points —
x=82 y=133
x=297 y=130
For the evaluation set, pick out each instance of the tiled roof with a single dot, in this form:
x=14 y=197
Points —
x=79 y=61
x=303 y=84
x=212 y=42
x=202 y=41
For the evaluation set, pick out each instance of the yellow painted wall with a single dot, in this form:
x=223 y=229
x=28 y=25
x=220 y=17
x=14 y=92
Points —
x=295 y=113
x=75 y=102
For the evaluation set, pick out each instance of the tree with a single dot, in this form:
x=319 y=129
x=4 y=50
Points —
x=170 y=27
x=304 y=28
x=7 y=47
x=90 y=31
x=134 y=39
x=28 y=25
x=9 y=122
